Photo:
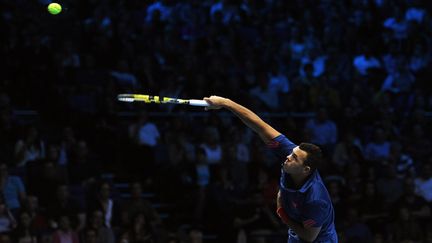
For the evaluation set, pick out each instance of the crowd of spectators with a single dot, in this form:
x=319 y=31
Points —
x=352 y=76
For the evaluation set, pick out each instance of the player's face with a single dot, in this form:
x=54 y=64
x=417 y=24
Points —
x=294 y=162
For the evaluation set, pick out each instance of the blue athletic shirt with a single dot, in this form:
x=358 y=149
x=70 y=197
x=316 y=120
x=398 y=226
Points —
x=311 y=204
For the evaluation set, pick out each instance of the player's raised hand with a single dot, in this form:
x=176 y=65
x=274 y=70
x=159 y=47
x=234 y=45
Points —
x=215 y=102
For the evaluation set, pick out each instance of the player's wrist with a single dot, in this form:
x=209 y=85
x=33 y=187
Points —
x=226 y=102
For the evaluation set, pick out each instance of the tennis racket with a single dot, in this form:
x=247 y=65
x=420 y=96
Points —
x=159 y=100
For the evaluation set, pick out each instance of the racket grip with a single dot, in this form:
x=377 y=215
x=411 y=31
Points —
x=202 y=103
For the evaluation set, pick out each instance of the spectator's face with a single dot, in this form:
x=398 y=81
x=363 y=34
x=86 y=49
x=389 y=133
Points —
x=90 y=236
x=140 y=220
x=105 y=191
x=136 y=190
x=196 y=236
x=53 y=152
x=62 y=192
x=97 y=219
x=25 y=219
x=81 y=149
x=32 y=202
x=64 y=222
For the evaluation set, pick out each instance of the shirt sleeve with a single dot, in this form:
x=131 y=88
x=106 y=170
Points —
x=281 y=146
x=315 y=214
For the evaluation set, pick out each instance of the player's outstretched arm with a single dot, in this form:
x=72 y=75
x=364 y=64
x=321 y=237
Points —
x=305 y=232
x=264 y=130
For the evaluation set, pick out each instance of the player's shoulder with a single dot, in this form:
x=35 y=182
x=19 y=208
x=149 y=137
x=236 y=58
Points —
x=318 y=192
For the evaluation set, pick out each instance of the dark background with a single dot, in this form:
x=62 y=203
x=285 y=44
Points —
x=352 y=76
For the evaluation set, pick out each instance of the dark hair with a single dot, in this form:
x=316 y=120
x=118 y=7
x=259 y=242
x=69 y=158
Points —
x=314 y=155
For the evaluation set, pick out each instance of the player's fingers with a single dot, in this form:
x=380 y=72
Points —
x=208 y=100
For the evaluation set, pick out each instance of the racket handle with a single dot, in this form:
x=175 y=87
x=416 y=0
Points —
x=198 y=103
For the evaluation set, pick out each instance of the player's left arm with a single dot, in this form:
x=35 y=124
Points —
x=309 y=229
x=306 y=233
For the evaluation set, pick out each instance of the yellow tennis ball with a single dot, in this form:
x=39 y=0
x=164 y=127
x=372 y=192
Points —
x=54 y=8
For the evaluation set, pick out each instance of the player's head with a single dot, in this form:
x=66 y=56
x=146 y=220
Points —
x=304 y=159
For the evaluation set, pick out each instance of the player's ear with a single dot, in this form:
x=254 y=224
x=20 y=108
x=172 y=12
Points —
x=306 y=169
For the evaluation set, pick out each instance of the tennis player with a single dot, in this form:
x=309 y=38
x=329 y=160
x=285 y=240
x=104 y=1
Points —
x=303 y=202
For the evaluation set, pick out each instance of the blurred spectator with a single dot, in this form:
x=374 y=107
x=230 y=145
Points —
x=67 y=145
x=44 y=177
x=416 y=12
x=417 y=144
x=419 y=58
x=23 y=233
x=372 y=207
x=196 y=236
x=406 y=228
x=423 y=182
x=65 y=234
x=61 y=203
x=12 y=188
x=162 y=7
x=90 y=236
x=83 y=166
x=124 y=77
x=212 y=146
x=405 y=166
x=306 y=79
x=318 y=61
x=397 y=24
x=202 y=179
x=101 y=200
x=344 y=151
x=366 y=61
x=379 y=147
x=339 y=199
x=355 y=230
x=30 y=148
x=322 y=95
x=96 y=222
x=417 y=206
x=224 y=10
x=7 y=220
x=278 y=81
x=399 y=81
x=138 y=205
x=145 y=134
x=39 y=221
x=389 y=185
x=323 y=130
x=236 y=155
x=264 y=93
x=141 y=230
